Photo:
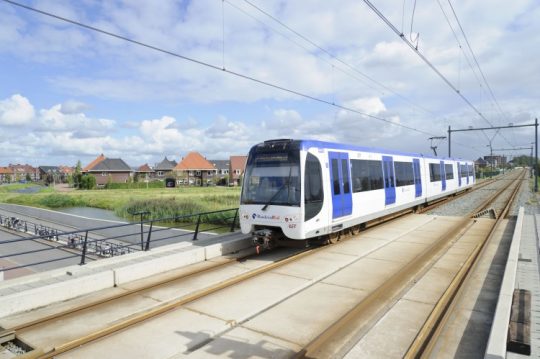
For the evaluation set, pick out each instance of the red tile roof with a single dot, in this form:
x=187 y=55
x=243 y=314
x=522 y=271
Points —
x=238 y=162
x=93 y=163
x=194 y=161
x=145 y=168
x=6 y=171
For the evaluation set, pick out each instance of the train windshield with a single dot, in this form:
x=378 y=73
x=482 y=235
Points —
x=272 y=179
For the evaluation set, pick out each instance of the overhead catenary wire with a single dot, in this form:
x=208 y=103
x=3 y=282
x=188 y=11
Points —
x=211 y=66
x=403 y=38
x=479 y=68
x=332 y=56
x=218 y=68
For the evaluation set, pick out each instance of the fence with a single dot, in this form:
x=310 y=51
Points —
x=109 y=241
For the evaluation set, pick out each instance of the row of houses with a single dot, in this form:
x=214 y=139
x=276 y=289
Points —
x=26 y=172
x=194 y=169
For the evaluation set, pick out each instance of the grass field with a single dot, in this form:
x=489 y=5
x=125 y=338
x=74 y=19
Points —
x=161 y=202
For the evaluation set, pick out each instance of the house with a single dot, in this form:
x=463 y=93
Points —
x=164 y=169
x=66 y=171
x=145 y=173
x=6 y=175
x=108 y=170
x=480 y=163
x=24 y=172
x=222 y=171
x=496 y=160
x=194 y=169
x=237 y=167
x=100 y=158
x=49 y=174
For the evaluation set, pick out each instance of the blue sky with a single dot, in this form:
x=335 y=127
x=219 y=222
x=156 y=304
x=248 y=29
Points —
x=67 y=93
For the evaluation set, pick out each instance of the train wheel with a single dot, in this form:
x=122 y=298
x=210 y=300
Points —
x=333 y=238
x=355 y=230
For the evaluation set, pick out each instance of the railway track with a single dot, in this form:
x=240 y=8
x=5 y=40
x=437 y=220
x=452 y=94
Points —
x=340 y=336
x=173 y=282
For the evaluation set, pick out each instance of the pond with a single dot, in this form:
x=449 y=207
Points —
x=96 y=213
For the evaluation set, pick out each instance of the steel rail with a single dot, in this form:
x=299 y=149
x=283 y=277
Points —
x=388 y=291
x=39 y=352
x=424 y=342
x=149 y=314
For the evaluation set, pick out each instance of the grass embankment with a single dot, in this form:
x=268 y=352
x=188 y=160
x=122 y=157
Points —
x=160 y=202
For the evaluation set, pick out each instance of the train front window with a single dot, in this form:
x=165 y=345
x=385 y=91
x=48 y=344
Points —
x=272 y=179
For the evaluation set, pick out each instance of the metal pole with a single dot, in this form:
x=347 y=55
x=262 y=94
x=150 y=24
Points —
x=149 y=234
x=142 y=232
x=536 y=155
x=449 y=142
x=531 y=162
x=83 y=255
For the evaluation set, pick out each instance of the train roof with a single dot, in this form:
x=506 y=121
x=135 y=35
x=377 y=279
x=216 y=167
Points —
x=305 y=144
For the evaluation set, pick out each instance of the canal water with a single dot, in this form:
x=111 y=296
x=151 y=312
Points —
x=90 y=212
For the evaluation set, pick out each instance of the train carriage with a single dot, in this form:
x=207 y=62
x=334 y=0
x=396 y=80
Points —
x=297 y=189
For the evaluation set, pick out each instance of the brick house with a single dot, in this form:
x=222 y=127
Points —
x=237 y=167
x=53 y=172
x=165 y=169
x=221 y=176
x=108 y=169
x=22 y=172
x=145 y=173
x=56 y=173
x=6 y=175
x=194 y=169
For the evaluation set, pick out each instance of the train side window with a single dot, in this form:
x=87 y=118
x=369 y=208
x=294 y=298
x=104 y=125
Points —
x=345 y=172
x=464 y=171
x=449 y=169
x=366 y=175
x=335 y=176
x=313 y=187
x=404 y=173
x=434 y=172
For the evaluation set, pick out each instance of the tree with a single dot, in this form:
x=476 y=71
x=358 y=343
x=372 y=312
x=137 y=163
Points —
x=28 y=178
x=8 y=178
x=77 y=175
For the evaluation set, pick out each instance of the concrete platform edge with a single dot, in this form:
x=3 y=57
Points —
x=31 y=292
x=496 y=347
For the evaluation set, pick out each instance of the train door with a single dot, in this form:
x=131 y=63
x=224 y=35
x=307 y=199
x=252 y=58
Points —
x=389 y=184
x=443 y=176
x=467 y=169
x=459 y=174
x=341 y=184
x=417 y=178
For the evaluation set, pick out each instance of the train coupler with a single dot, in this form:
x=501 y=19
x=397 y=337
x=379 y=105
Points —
x=262 y=239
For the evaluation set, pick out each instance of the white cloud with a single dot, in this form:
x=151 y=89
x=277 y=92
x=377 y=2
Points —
x=15 y=111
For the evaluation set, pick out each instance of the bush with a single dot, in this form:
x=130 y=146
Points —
x=87 y=182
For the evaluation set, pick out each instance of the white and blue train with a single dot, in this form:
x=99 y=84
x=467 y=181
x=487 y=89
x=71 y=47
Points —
x=300 y=190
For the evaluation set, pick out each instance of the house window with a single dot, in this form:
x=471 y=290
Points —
x=197 y=173
x=160 y=173
x=103 y=174
x=237 y=172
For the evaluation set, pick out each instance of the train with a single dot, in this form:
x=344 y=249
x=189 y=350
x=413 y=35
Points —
x=307 y=190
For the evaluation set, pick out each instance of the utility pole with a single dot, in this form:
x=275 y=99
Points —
x=449 y=141
x=536 y=155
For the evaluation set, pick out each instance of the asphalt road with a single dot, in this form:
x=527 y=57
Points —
x=120 y=232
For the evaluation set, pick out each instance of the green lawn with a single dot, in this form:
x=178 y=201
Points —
x=161 y=202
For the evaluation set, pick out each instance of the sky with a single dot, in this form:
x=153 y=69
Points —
x=68 y=93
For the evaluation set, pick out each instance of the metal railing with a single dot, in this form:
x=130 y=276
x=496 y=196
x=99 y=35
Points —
x=106 y=241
